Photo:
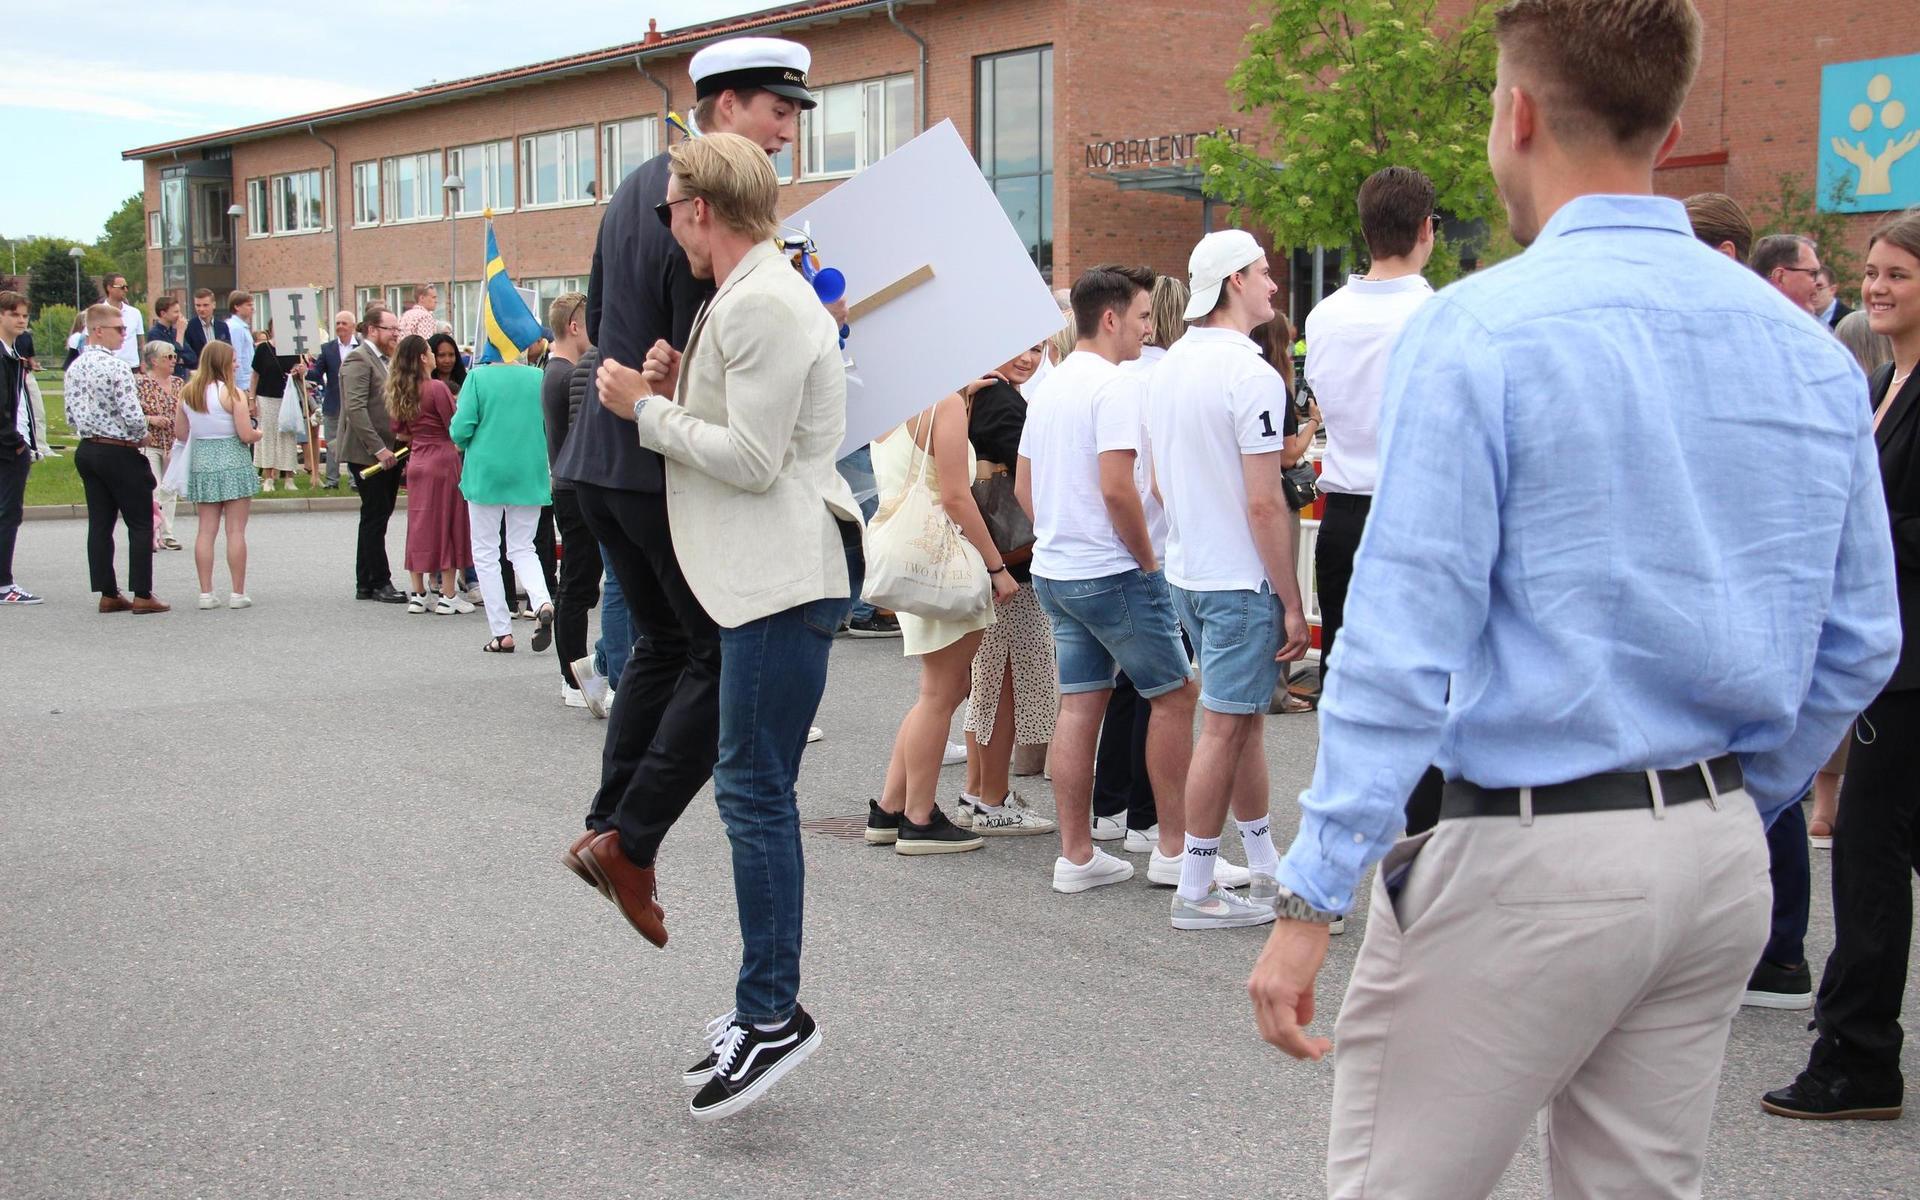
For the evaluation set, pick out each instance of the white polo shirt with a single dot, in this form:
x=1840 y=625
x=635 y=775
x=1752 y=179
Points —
x=129 y=351
x=1085 y=406
x=1350 y=336
x=1212 y=399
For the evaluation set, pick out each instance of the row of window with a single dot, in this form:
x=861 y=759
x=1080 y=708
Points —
x=461 y=309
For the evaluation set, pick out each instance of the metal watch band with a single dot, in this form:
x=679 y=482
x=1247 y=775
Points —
x=1293 y=908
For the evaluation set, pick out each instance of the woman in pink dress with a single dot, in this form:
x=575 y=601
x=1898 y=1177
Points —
x=438 y=542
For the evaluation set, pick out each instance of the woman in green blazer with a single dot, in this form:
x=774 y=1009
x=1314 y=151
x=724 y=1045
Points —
x=499 y=427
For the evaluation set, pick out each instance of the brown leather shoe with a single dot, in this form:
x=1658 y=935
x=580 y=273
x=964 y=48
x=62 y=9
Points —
x=629 y=887
x=149 y=604
x=115 y=603
x=572 y=859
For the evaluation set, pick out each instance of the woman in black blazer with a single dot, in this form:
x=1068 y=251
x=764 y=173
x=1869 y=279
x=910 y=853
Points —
x=1854 y=1070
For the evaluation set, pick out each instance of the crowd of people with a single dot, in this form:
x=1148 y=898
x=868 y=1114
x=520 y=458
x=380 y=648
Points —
x=1574 y=686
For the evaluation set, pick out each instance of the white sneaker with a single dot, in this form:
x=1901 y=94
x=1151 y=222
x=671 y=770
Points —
x=207 y=601
x=473 y=596
x=240 y=600
x=266 y=485
x=1010 y=819
x=963 y=811
x=571 y=697
x=1109 y=829
x=460 y=604
x=594 y=691
x=955 y=755
x=814 y=734
x=416 y=602
x=1164 y=870
x=1143 y=841
x=1100 y=870
x=443 y=607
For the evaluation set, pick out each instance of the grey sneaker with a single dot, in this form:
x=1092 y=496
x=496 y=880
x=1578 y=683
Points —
x=1221 y=909
x=1265 y=889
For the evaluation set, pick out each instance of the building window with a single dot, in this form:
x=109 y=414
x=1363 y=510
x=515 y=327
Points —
x=557 y=168
x=856 y=125
x=628 y=144
x=365 y=297
x=259 y=209
x=153 y=230
x=366 y=193
x=463 y=310
x=783 y=164
x=487 y=171
x=1013 y=131
x=299 y=205
x=412 y=191
x=547 y=290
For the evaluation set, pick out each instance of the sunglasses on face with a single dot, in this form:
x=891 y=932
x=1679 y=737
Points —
x=664 y=209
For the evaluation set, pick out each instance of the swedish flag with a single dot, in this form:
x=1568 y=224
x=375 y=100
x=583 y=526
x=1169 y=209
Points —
x=506 y=327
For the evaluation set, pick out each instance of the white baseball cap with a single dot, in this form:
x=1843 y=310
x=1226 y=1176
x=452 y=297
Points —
x=1217 y=256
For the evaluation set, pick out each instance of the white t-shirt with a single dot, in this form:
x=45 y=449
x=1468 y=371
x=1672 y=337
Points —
x=1350 y=336
x=1143 y=465
x=1085 y=406
x=1212 y=400
x=129 y=351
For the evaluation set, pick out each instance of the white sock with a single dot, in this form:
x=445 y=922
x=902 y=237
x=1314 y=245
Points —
x=974 y=800
x=1257 y=837
x=769 y=1028
x=1196 y=867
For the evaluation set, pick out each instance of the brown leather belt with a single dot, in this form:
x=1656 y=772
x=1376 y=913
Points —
x=107 y=441
x=1611 y=792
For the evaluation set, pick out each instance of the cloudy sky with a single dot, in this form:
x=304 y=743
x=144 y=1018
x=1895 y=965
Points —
x=85 y=82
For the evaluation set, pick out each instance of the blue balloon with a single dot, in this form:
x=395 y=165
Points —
x=829 y=284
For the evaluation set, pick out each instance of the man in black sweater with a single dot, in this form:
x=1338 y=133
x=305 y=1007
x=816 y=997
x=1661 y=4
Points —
x=579 y=588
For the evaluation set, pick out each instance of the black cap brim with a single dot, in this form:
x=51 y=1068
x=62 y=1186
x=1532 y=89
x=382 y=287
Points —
x=778 y=80
x=798 y=95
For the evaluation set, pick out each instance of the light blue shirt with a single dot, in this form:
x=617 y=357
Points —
x=241 y=335
x=1629 y=503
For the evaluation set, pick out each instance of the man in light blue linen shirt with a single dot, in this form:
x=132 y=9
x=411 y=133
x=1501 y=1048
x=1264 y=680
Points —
x=1652 y=644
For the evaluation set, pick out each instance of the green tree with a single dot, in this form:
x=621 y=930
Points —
x=124 y=242
x=50 y=330
x=49 y=267
x=1348 y=87
x=1791 y=209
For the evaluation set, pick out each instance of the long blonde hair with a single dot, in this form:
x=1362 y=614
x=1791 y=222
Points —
x=216 y=366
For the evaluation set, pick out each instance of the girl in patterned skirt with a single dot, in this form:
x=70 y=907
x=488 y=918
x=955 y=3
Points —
x=220 y=473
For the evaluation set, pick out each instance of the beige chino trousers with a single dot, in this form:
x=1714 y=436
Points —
x=1575 y=976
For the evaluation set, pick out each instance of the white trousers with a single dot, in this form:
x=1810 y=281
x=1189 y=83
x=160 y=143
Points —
x=521 y=521
x=157 y=460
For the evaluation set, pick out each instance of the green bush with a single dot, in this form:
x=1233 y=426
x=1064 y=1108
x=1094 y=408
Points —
x=50 y=331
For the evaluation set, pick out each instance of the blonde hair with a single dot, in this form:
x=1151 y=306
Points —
x=1169 y=310
x=1868 y=348
x=101 y=314
x=216 y=366
x=734 y=177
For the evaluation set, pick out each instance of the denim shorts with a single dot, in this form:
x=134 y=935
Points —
x=1124 y=621
x=1237 y=634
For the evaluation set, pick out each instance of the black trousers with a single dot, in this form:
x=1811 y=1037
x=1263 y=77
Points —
x=579 y=588
x=543 y=549
x=119 y=487
x=14 y=469
x=371 y=572
x=1876 y=846
x=1120 y=783
x=663 y=736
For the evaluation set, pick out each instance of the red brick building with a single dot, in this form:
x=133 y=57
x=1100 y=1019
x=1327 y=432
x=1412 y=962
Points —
x=1081 y=113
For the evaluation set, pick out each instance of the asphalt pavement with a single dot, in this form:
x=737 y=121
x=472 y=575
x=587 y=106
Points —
x=282 y=915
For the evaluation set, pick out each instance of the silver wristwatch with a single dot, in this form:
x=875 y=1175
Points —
x=1289 y=907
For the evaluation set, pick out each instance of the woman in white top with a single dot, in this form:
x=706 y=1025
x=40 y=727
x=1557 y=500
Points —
x=221 y=481
x=932 y=451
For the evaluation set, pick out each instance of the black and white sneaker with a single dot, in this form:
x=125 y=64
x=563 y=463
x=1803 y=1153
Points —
x=883 y=827
x=748 y=1061
x=715 y=1037
x=937 y=836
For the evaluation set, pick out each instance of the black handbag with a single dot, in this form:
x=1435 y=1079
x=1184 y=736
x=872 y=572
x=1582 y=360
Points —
x=1007 y=523
x=1302 y=483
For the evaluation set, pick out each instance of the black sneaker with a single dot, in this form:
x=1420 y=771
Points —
x=878 y=625
x=883 y=827
x=748 y=1061
x=1824 y=1094
x=715 y=1037
x=1774 y=986
x=937 y=836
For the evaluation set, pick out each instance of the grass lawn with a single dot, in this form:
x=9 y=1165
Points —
x=54 y=480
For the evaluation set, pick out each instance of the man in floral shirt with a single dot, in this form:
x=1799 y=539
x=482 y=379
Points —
x=103 y=409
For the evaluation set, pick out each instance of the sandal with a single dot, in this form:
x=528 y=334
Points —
x=543 y=628
x=499 y=645
x=1292 y=703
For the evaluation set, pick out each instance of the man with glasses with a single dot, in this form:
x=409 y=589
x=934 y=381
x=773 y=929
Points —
x=103 y=409
x=115 y=286
x=1790 y=263
x=366 y=438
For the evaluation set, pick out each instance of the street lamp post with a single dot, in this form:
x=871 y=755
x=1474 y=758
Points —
x=454 y=186
x=75 y=253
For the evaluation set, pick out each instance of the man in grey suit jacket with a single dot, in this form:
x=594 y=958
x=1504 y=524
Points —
x=366 y=438
x=769 y=536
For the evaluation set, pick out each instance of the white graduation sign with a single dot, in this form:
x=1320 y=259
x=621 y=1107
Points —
x=299 y=327
x=940 y=288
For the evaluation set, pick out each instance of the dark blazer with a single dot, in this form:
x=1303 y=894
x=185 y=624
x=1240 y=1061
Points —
x=1898 y=439
x=1840 y=309
x=195 y=339
x=326 y=372
x=641 y=291
x=161 y=332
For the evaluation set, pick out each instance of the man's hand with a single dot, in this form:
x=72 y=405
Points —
x=1282 y=987
x=662 y=369
x=621 y=388
x=1298 y=639
x=385 y=457
x=838 y=311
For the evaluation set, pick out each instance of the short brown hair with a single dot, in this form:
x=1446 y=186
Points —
x=1777 y=250
x=734 y=177
x=703 y=107
x=371 y=317
x=100 y=314
x=1394 y=203
x=566 y=308
x=11 y=300
x=1106 y=289
x=165 y=304
x=1606 y=69
x=203 y=293
x=236 y=298
x=1902 y=230
x=1718 y=218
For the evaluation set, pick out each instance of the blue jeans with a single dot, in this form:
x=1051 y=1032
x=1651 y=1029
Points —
x=1237 y=633
x=772 y=674
x=1122 y=622
x=857 y=469
x=616 y=629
